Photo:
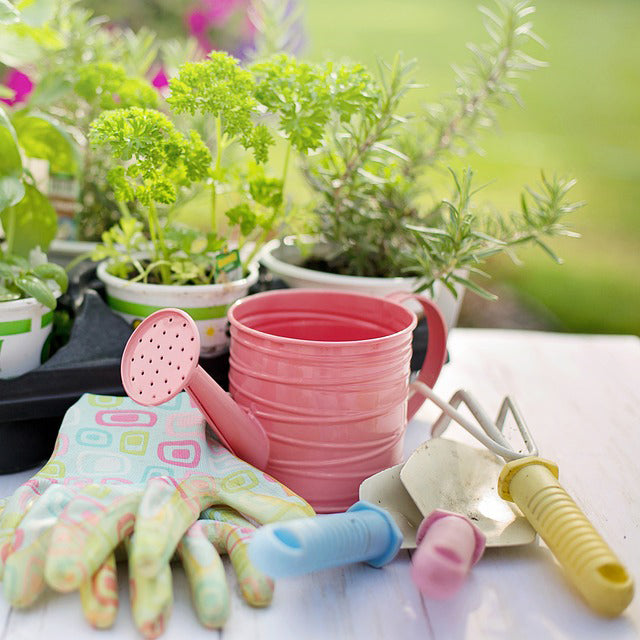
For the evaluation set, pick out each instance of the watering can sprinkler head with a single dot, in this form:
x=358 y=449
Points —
x=161 y=359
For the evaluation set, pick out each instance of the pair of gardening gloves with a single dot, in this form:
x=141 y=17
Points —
x=151 y=483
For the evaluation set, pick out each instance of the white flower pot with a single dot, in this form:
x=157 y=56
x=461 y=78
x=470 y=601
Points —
x=283 y=259
x=207 y=304
x=25 y=326
x=62 y=252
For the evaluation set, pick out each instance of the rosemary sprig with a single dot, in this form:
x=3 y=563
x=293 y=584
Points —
x=373 y=167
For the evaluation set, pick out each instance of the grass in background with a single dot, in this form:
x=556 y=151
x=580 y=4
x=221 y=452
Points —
x=581 y=118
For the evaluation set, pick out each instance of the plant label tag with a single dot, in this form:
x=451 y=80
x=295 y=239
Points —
x=228 y=266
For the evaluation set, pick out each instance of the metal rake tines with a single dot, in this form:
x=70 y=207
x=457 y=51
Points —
x=491 y=433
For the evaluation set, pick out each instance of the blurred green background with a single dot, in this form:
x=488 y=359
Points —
x=581 y=118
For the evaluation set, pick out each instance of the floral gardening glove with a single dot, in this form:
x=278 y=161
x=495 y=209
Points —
x=121 y=472
x=221 y=530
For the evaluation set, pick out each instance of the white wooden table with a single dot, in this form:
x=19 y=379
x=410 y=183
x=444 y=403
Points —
x=580 y=396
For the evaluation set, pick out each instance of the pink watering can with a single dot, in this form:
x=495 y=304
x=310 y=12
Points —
x=319 y=383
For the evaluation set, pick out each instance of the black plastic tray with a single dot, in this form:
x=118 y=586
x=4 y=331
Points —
x=32 y=406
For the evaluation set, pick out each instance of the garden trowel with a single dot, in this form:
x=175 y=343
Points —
x=451 y=484
x=444 y=501
x=445 y=474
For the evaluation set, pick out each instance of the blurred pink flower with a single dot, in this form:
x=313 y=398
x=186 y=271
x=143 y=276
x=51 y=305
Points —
x=227 y=25
x=20 y=83
x=160 y=80
x=197 y=22
x=219 y=10
x=211 y=15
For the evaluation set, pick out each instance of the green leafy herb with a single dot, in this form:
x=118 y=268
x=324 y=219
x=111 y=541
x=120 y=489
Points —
x=20 y=278
x=220 y=88
x=373 y=169
x=157 y=160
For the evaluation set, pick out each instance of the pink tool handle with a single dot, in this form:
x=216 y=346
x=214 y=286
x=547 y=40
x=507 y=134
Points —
x=436 y=346
x=448 y=546
x=238 y=430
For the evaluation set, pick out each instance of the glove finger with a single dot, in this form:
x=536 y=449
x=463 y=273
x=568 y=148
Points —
x=256 y=587
x=25 y=560
x=151 y=598
x=15 y=508
x=87 y=532
x=206 y=576
x=225 y=514
x=257 y=495
x=99 y=595
x=166 y=511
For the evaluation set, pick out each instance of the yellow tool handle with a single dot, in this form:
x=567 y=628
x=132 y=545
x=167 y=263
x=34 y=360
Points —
x=589 y=563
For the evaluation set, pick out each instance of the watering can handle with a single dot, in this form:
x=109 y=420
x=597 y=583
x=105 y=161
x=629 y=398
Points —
x=436 y=346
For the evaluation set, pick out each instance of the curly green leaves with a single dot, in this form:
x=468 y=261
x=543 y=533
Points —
x=297 y=92
x=219 y=87
x=307 y=96
x=157 y=157
x=108 y=86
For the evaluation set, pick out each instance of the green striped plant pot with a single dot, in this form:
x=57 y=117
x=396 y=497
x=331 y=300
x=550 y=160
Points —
x=25 y=328
x=207 y=304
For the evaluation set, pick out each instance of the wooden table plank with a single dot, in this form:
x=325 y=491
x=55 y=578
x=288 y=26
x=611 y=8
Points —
x=581 y=398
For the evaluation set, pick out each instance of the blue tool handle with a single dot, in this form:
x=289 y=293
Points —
x=364 y=533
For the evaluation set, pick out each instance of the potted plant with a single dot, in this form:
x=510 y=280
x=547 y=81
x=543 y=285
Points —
x=78 y=64
x=29 y=285
x=247 y=202
x=77 y=68
x=282 y=96
x=376 y=227
x=28 y=293
x=174 y=267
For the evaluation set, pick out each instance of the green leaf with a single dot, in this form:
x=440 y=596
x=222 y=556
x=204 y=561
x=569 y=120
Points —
x=45 y=36
x=35 y=221
x=37 y=13
x=549 y=251
x=52 y=271
x=431 y=231
x=8 y=13
x=472 y=286
x=158 y=157
x=299 y=94
x=35 y=288
x=6 y=272
x=40 y=136
x=52 y=87
x=6 y=295
x=11 y=188
x=243 y=217
x=10 y=162
x=266 y=191
x=18 y=261
x=11 y=191
x=17 y=50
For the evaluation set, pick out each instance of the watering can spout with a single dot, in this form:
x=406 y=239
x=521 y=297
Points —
x=238 y=430
x=161 y=359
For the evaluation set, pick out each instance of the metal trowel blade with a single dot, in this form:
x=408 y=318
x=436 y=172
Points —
x=444 y=474
x=387 y=491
